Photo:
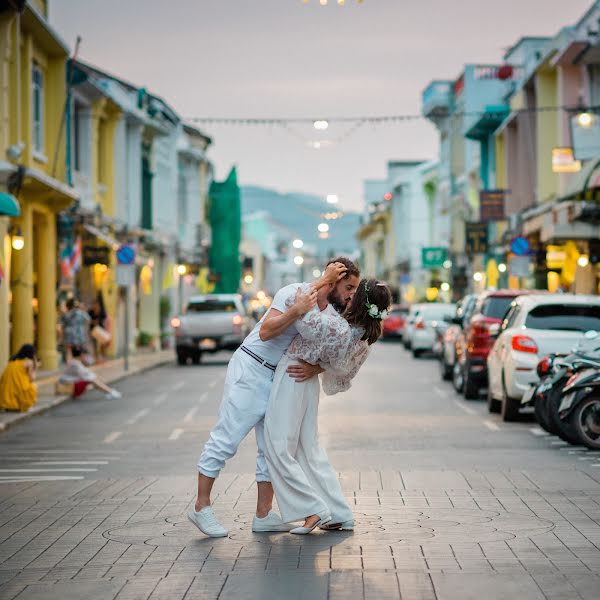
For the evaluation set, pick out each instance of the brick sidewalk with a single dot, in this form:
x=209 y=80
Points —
x=111 y=371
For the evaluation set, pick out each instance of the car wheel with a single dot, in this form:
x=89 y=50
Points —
x=458 y=379
x=445 y=368
x=417 y=352
x=197 y=358
x=471 y=388
x=493 y=405
x=509 y=406
x=586 y=422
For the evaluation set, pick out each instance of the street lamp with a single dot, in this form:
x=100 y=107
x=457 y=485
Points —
x=298 y=244
x=502 y=268
x=332 y=199
x=478 y=276
x=248 y=279
x=321 y=125
x=316 y=273
x=323 y=227
x=585 y=119
x=298 y=260
x=445 y=286
x=583 y=260
x=18 y=241
x=447 y=264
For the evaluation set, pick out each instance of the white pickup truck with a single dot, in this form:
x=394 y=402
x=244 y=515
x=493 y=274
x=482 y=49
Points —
x=210 y=323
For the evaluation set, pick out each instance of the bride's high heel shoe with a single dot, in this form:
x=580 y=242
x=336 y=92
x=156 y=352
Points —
x=307 y=530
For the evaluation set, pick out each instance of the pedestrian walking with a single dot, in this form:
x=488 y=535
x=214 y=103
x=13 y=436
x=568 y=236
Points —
x=82 y=378
x=99 y=331
x=75 y=327
x=18 y=391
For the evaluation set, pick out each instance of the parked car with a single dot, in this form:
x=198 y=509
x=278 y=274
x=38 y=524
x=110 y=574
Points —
x=464 y=310
x=475 y=342
x=413 y=313
x=210 y=323
x=428 y=319
x=534 y=327
x=393 y=324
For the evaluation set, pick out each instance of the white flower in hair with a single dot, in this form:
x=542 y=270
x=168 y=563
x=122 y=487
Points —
x=383 y=314
x=373 y=311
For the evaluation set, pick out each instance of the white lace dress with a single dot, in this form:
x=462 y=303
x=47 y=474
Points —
x=304 y=481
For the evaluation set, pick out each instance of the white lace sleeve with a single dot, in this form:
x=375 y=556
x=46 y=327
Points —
x=315 y=325
x=337 y=380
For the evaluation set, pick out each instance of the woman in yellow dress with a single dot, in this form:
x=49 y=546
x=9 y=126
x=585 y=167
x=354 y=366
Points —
x=17 y=387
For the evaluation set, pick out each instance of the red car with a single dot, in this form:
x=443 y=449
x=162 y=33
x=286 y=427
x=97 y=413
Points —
x=393 y=324
x=475 y=341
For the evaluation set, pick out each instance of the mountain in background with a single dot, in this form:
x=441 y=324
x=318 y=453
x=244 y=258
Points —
x=301 y=213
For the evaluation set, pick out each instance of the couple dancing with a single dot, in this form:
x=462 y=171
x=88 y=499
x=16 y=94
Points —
x=272 y=387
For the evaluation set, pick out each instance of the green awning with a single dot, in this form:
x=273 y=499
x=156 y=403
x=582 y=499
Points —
x=9 y=206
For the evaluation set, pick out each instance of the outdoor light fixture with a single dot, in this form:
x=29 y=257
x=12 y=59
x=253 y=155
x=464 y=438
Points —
x=585 y=119
x=248 y=279
x=447 y=264
x=502 y=268
x=18 y=241
x=332 y=198
x=181 y=269
x=323 y=227
x=445 y=286
x=477 y=276
x=298 y=260
x=297 y=243
x=316 y=273
x=583 y=260
x=321 y=125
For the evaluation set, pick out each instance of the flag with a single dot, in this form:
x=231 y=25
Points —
x=70 y=259
x=75 y=258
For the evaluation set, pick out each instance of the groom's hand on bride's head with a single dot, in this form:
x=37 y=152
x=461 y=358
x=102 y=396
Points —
x=303 y=371
x=305 y=302
x=334 y=272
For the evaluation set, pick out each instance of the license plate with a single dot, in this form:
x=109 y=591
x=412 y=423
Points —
x=566 y=402
x=207 y=344
x=528 y=395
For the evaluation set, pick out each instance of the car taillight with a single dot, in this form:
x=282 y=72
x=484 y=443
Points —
x=480 y=328
x=522 y=343
x=237 y=319
x=544 y=366
x=175 y=322
x=419 y=323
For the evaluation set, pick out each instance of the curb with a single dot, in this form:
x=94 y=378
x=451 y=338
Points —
x=58 y=400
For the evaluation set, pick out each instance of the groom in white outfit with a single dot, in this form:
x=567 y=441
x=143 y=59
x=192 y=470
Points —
x=248 y=386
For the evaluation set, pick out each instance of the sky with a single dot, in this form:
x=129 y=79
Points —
x=283 y=58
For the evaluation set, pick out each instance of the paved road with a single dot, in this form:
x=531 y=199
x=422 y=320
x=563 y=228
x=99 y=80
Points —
x=450 y=502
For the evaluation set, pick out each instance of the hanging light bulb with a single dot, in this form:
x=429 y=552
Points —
x=18 y=241
x=585 y=119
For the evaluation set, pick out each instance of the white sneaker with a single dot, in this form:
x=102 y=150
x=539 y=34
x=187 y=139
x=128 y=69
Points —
x=307 y=530
x=207 y=523
x=272 y=522
x=113 y=395
x=334 y=525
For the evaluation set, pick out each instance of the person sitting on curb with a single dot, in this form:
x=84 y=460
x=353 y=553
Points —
x=17 y=388
x=80 y=377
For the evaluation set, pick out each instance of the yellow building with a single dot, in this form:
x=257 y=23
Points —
x=33 y=62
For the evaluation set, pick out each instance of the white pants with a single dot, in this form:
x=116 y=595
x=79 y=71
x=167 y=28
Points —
x=303 y=479
x=245 y=399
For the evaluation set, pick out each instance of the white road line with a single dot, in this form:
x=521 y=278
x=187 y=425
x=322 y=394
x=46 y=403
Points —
x=160 y=399
x=491 y=425
x=70 y=462
x=464 y=408
x=20 y=479
x=558 y=443
x=190 y=414
x=538 y=431
x=586 y=458
x=178 y=386
x=111 y=437
x=175 y=434
x=212 y=384
x=139 y=415
x=46 y=470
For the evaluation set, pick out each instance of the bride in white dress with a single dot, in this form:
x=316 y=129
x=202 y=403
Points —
x=306 y=485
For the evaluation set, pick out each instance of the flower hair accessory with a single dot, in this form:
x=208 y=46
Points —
x=372 y=309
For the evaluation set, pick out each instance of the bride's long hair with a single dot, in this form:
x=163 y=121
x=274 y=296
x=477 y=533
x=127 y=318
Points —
x=369 y=294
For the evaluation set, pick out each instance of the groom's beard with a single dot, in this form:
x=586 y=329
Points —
x=335 y=301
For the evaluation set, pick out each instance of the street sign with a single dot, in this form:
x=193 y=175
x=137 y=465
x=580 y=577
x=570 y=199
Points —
x=126 y=255
x=491 y=205
x=125 y=275
x=433 y=258
x=476 y=238
x=520 y=246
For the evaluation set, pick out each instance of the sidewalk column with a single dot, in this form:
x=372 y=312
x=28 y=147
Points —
x=4 y=285
x=46 y=279
x=22 y=282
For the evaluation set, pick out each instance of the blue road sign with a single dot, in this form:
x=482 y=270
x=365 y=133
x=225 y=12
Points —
x=126 y=255
x=520 y=246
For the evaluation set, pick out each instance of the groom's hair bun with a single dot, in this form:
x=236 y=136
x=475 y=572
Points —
x=351 y=268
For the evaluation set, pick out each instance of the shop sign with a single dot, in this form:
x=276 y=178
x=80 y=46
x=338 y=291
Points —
x=519 y=266
x=491 y=205
x=563 y=161
x=93 y=255
x=476 y=238
x=433 y=258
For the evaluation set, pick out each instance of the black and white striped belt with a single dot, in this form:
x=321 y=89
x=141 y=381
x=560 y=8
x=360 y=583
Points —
x=257 y=358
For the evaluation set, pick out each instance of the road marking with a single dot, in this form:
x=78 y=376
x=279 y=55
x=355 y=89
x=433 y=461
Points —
x=44 y=470
x=111 y=437
x=137 y=416
x=212 y=384
x=466 y=409
x=21 y=479
x=538 y=431
x=175 y=434
x=586 y=458
x=558 y=443
x=439 y=391
x=190 y=414
x=178 y=386
x=491 y=425
x=70 y=462
x=160 y=399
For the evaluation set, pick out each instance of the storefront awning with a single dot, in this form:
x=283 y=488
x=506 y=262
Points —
x=585 y=185
x=9 y=207
x=105 y=237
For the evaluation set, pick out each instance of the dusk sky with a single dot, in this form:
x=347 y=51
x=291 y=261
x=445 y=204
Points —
x=281 y=58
